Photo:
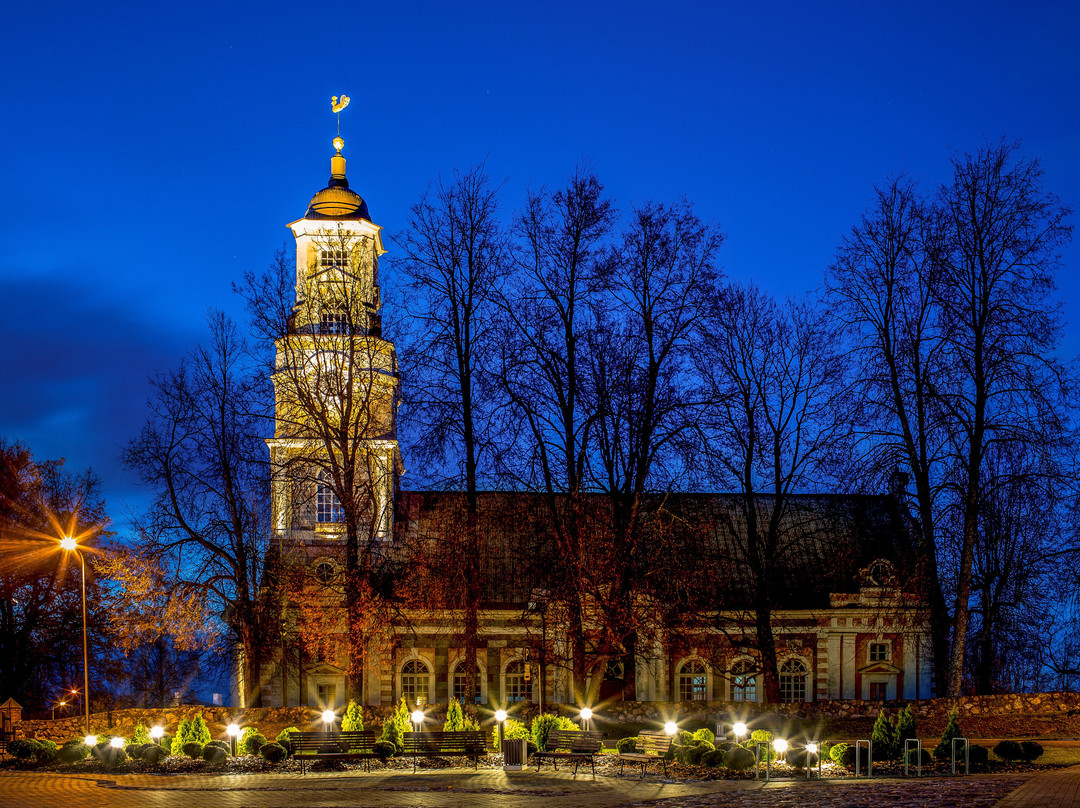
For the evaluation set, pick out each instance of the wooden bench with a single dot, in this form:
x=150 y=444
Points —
x=466 y=743
x=653 y=746
x=576 y=746
x=333 y=746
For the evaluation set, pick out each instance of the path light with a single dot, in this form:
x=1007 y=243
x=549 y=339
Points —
x=671 y=727
x=417 y=719
x=812 y=748
x=117 y=742
x=328 y=717
x=586 y=716
x=232 y=731
x=780 y=745
x=740 y=730
x=500 y=716
x=90 y=740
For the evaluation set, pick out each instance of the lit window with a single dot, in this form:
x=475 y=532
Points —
x=743 y=681
x=459 y=684
x=328 y=696
x=692 y=681
x=879 y=652
x=517 y=689
x=327 y=505
x=333 y=259
x=414 y=682
x=333 y=321
x=793 y=681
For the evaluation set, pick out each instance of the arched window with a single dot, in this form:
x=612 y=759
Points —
x=327 y=505
x=415 y=678
x=743 y=681
x=515 y=688
x=693 y=682
x=334 y=321
x=459 y=684
x=793 y=680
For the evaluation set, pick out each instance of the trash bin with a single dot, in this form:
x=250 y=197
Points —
x=515 y=753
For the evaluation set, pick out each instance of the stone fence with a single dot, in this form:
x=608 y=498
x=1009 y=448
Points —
x=271 y=721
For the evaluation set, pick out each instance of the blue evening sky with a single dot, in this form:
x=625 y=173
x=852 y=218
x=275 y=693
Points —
x=153 y=152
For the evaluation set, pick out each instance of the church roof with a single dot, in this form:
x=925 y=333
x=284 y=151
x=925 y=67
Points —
x=338 y=202
x=696 y=543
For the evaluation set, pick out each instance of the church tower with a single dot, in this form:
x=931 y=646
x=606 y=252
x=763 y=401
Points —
x=334 y=453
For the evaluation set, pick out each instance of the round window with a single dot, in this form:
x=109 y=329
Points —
x=325 y=572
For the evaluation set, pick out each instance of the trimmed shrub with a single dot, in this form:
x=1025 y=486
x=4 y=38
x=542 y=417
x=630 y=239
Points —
x=943 y=751
x=212 y=753
x=513 y=730
x=1008 y=750
x=765 y=737
x=222 y=745
x=705 y=735
x=353 y=720
x=134 y=750
x=283 y=740
x=627 y=744
x=884 y=738
x=796 y=758
x=848 y=758
x=697 y=751
x=73 y=752
x=402 y=716
x=683 y=737
x=273 y=752
x=109 y=755
x=913 y=757
x=46 y=752
x=166 y=744
x=384 y=749
x=836 y=752
x=154 y=754
x=253 y=742
x=391 y=733
x=978 y=756
x=1030 y=750
x=714 y=758
x=23 y=748
x=738 y=759
x=200 y=733
x=455 y=718
x=193 y=749
x=544 y=723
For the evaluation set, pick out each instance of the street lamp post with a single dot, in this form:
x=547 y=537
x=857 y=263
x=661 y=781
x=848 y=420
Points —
x=69 y=544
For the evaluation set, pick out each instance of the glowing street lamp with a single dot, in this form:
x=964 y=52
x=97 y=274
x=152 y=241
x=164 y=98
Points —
x=157 y=733
x=90 y=740
x=671 y=727
x=740 y=730
x=232 y=731
x=417 y=719
x=500 y=716
x=780 y=745
x=68 y=544
x=586 y=716
x=328 y=717
x=116 y=742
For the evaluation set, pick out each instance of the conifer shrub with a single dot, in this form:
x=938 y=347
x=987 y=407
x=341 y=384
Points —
x=883 y=737
x=1030 y=750
x=193 y=749
x=273 y=752
x=166 y=744
x=403 y=716
x=253 y=742
x=353 y=720
x=183 y=736
x=141 y=734
x=1008 y=750
x=906 y=728
x=738 y=759
x=544 y=723
x=212 y=753
x=455 y=717
x=943 y=751
x=283 y=741
x=391 y=734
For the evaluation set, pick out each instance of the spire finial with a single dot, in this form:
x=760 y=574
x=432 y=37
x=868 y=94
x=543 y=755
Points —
x=337 y=162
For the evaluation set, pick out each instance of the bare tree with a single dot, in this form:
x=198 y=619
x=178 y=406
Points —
x=1002 y=234
x=455 y=262
x=204 y=544
x=776 y=421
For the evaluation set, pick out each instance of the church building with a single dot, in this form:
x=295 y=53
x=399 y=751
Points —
x=848 y=622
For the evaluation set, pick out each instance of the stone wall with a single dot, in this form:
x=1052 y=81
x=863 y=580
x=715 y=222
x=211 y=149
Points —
x=1012 y=710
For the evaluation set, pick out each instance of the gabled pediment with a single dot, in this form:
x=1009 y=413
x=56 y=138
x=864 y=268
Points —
x=880 y=668
x=326 y=669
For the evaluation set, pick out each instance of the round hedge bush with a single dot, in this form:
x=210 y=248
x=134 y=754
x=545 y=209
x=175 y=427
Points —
x=154 y=754
x=253 y=742
x=714 y=758
x=697 y=751
x=213 y=753
x=913 y=755
x=384 y=749
x=738 y=759
x=193 y=749
x=273 y=752
x=1030 y=750
x=134 y=751
x=848 y=757
x=796 y=758
x=705 y=735
x=23 y=748
x=110 y=755
x=73 y=752
x=1008 y=750
x=837 y=751
x=627 y=744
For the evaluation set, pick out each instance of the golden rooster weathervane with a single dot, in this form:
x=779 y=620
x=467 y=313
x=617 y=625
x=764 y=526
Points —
x=336 y=105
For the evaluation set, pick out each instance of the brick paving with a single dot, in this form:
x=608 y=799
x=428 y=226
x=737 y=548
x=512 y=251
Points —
x=526 y=789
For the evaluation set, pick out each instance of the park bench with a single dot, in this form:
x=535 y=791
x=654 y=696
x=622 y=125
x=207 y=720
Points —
x=653 y=746
x=311 y=746
x=566 y=744
x=466 y=743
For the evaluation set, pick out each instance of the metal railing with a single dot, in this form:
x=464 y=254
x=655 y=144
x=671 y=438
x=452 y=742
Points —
x=869 y=758
x=967 y=755
x=918 y=754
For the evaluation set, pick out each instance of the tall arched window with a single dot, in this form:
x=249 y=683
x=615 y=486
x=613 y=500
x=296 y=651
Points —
x=327 y=505
x=415 y=678
x=515 y=688
x=793 y=680
x=459 y=684
x=743 y=681
x=693 y=681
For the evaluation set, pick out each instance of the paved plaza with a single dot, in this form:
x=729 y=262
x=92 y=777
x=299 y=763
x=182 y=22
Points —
x=494 y=787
